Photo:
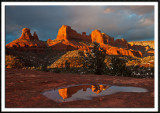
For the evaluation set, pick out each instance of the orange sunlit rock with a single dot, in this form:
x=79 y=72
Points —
x=97 y=36
x=121 y=51
x=68 y=39
x=143 y=43
x=27 y=42
x=108 y=39
x=67 y=33
x=98 y=88
x=63 y=93
x=26 y=34
x=49 y=40
x=68 y=92
x=152 y=51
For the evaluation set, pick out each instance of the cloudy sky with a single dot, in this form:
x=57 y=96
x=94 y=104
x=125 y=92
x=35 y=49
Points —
x=134 y=23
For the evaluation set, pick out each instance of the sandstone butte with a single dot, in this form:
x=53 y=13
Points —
x=68 y=39
x=70 y=36
x=97 y=36
x=66 y=33
x=27 y=42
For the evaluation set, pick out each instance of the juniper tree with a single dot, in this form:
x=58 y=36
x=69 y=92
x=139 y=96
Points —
x=118 y=67
x=67 y=65
x=94 y=60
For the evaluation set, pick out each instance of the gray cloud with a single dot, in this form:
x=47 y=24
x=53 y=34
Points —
x=140 y=10
x=117 y=21
x=141 y=34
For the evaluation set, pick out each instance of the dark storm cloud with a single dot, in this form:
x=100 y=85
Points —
x=139 y=10
x=44 y=20
x=118 y=21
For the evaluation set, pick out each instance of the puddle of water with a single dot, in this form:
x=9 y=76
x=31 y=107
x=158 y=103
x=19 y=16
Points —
x=86 y=92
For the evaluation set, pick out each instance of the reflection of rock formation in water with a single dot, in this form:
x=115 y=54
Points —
x=68 y=92
x=98 y=88
x=63 y=93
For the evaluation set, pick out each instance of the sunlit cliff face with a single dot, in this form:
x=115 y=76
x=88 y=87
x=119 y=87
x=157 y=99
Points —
x=68 y=92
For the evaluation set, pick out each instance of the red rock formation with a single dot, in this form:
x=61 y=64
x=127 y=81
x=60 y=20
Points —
x=97 y=36
x=49 y=40
x=26 y=34
x=143 y=43
x=63 y=47
x=68 y=39
x=152 y=51
x=35 y=36
x=121 y=43
x=27 y=42
x=137 y=47
x=86 y=37
x=136 y=53
x=84 y=34
x=67 y=34
x=108 y=39
x=101 y=38
x=121 y=51
x=116 y=51
x=62 y=33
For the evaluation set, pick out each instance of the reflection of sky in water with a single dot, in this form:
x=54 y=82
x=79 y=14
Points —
x=86 y=92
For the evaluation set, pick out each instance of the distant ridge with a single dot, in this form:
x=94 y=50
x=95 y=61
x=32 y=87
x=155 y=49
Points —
x=143 y=43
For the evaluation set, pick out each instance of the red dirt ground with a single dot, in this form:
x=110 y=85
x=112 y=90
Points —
x=23 y=88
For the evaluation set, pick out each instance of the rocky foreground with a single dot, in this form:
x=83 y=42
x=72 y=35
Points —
x=23 y=90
